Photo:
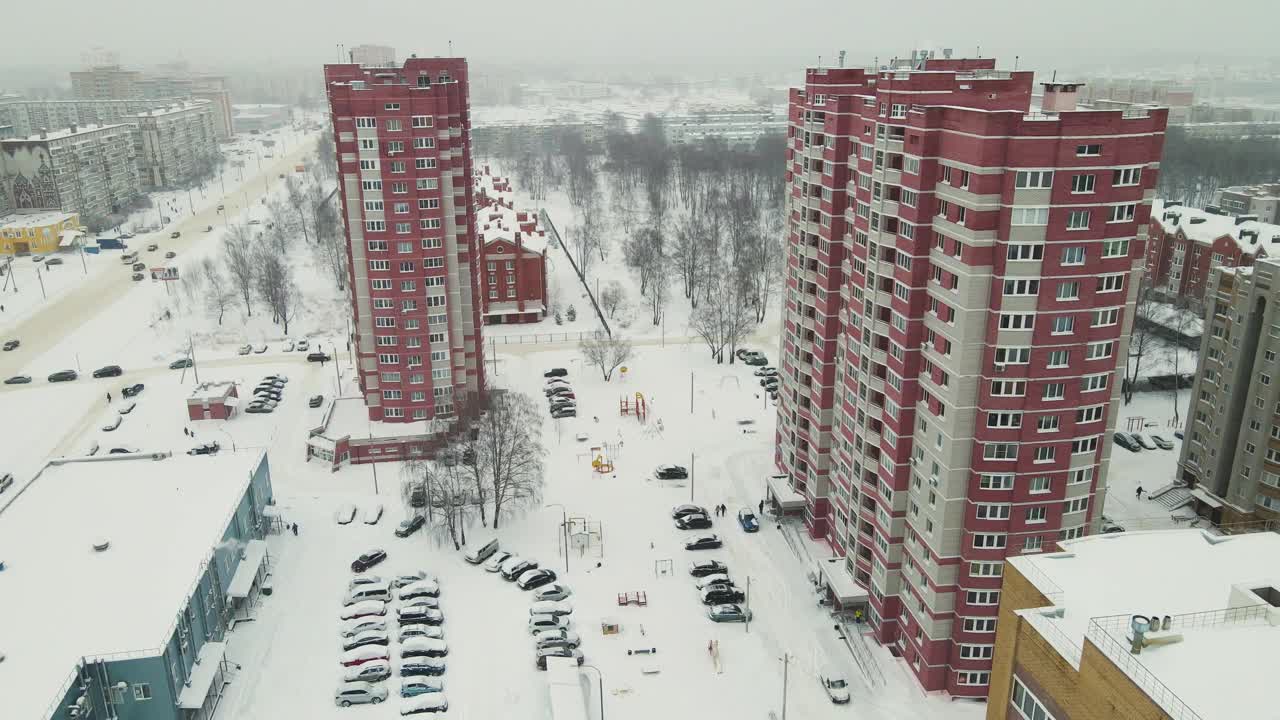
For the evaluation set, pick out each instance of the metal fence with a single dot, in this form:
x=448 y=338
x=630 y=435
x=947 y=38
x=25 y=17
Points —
x=535 y=338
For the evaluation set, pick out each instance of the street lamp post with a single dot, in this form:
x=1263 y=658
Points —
x=600 y=678
x=564 y=527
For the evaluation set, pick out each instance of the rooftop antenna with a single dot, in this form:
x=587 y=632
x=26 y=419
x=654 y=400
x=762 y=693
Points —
x=819 y=62
x=1055 y=76
x=979 y=51
x=450 y=48
x=842 y=58
x=1015 y=63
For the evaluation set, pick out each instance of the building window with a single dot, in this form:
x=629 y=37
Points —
x=1045 y=454
x=1115 y=248
x=1082 y=183
x=989 y=540
x=991 y=511
x=1033 y=179
x=973 y=677
x=1032 y=544
x=1025 y=251
x=422 y=121
x=1126 y=176
x=1098 y=350
x=1073 y=255
x=1059 y=358
x=1069 y=290
x=1122 y=213
x=1000 y=451
x=1053 y=391
x=1021 y=287
x=141 y=691
x=1013 y=355
x=1103 y=318
x=1037 y=485
x=995 y=482
x=1088 y=150
x=1078 y=220
x=1110 y=283
x=1030 y=216
x=976 y=652
x=983 y=597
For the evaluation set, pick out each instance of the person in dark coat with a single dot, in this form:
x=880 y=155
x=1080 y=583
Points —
x=295 y=529
x=761 y=507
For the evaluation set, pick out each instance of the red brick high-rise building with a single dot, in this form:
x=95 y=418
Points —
x=403 y=138
x=961 y=273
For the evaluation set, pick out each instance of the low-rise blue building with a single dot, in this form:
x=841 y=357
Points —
x=122 y=576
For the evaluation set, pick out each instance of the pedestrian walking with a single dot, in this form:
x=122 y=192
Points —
x=108 y=397
x=1139 y=493
x=295 y=529
x=761 y=507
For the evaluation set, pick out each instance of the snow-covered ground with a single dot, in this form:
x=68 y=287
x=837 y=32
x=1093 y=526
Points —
x=631 y=103
x=1148 y=469
x=290 y=655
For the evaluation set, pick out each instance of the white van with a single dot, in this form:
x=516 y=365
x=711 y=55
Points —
x=371 y=591
x=129 y=258
x=479 y=554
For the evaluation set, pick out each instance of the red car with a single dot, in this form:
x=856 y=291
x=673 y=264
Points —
x=364 y=654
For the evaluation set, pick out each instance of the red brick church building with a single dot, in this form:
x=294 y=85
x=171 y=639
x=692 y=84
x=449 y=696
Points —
x=514 y=252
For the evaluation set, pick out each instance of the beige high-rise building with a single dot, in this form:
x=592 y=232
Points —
x=110 y=82
x=1231 y=455
x=175 y=143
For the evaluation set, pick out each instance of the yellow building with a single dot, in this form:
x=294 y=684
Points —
x=37 y=232
x=1140 y=626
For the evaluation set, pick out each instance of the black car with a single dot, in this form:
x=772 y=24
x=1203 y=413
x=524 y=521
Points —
x=703 y=568
x=422 y=666
x=257 y=409
x=769 y=382
x=1126 y=441
x=555 y=372
x=368 y=560
x=536 y=579
x=132 y=390
x=180 y=364
x=519 y=568
x=63 y=376
x=318 y=357
x=108 y=371
x=18 y=380
x=271 y=394
x=693 y=521
x=742 y=353
x=566 y=413
x=137 y=277
x=680 y=511
x=721 y=595
x=544 y=653
x=410 y=526
x=205 y=449
x=138 y=267
x=315 y=401
x=706 y=542
x=671 y=472
x=11 y=345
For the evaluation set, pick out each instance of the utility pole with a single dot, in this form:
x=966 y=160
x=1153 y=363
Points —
x=41 y=279
x=690 y=392
x=692 y=458
x=786 y=661
x=747 y=603
x=191 y=352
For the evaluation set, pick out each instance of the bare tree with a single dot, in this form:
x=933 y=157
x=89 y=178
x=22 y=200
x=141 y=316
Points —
x=642 y=252
x=331 y=245
x=605 y=352
x=446 y=493
x=218 y=296
x=586 y=238
x=659 y=286
x=707 y=321
x=509 y=451
x=326 y=154
x=613 y=297
x=1142 y=340
x=276 y=287
x=238 y=258
x=298 y=200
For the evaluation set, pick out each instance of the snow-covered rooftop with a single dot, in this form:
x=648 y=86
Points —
x=68 y=132
x=31 y=220
x=1210 y=227
x=1169 y=572
x=507 y=223
x=62 y=600
x=212 y=390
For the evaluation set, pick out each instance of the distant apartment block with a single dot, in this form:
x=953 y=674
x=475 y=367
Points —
x=91 y=171
x=1260 y=201
x=112 y=83
x=960 y=283
x=1186 y=243
x=738 y=127
x=175 y=143
x=373 y=55
x=109 y=82
x=260 y=117
x=1231 y=454
x=1165 y=624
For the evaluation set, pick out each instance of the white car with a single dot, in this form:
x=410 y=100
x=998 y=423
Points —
x=556 y=634
x=548 y=622
x=351 y=628
x=416 y=686
x=429 y=703
x=422 y=588
x=260 y=348
x=346 y=513
x=112 y=424
x=127 y=408
x=551 y=607
x=423 y=647
x=244 y=349
x=494 y=564
x=717 y=579
x=400 y=581
x=364 y=608
x=422 y=600
x=369 y=637
x=359 y=580
x=373 y=514
x=418 y=630
x=358 y=693
x=288 y=346
x=506 y=565
x=554 y=591
x=92 y=449
x=837 y=688
x=301 y=345
x=372 y=671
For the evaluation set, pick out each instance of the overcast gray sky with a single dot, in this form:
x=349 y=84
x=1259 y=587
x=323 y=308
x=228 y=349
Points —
x=233 y=33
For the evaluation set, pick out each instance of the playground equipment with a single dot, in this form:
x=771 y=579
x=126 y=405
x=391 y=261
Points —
x=635 y=597
x=662 y=567
x=640 y=408
x=600 y=461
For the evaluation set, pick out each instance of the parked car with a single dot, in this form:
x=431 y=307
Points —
x=742 y=353
x=112 y=424
x=359 y=693
x=410 y=526
x=755 y=359
x=256 y=408
x=769 y=381
x=553 y=591
x=548 y=622
x=540 y=658
x=11 y=345
x=402 y=580
x=747 y=520
x=680 y=511
x=564 y=413
x=423 y=704
x=209 y=448
x=127 y=408
x=108 y=371
x=170 y=255
x=671 y=472
x=555 y=643
x=1162 y=442
x=421 y=666
x=423 y=647
x=1109 y=526
x=555 y=372
x=728 y=613
x=1126 y=442
x=705 y=542
x=417 y=686
x=346 y=513
x=180 y=364
x=132 y=390
x=373 y=514
x=707 y=581
x=495 y=561
x=315 y=401
x=766 y=372
x=359 y=580
x=92 y=449
x=138 y=267
x=369 y=672
x=368 y=560
x=123 y=450
x=693 y=521
x=422 y=631
x=6 y=481
x=1144 y=441
x=137 y=277
x=360 y=593
x=369 y=637
x=362 y=655
x=513 y=570
x=175 y=235
x=551 y=607
x=260 y=348
x=555 y=382
x=556 y=633
x=420 y=589
x=244 y=349
x=532 y=579
x=420 y=613
x=63 y=376
x=53 y=261
x=18 y=380
x=352 y=628
x=318 y=357
x=268 y=394
x=302 y=345
x=367 y=608
x=836 y=686
x=721 y=595
x=703 y=568
x=152 y=247
x=1178 y=434
x=288 y=346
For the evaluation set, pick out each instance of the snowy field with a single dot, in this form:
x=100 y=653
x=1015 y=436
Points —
x=631 y=104
x=1149 y=469
x=290 y=655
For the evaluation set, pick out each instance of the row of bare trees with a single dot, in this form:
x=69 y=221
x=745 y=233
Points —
x=492 y=468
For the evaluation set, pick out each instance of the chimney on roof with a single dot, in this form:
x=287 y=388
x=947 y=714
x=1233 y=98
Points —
x=44 y=133
x=73 y=128
x=1059 y=96
x=946 y=53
